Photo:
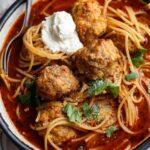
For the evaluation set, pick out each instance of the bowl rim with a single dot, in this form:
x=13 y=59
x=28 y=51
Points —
x=20 y=144
x=9 y=11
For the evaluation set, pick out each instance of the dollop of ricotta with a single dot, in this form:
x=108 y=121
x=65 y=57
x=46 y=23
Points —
x=59 y=33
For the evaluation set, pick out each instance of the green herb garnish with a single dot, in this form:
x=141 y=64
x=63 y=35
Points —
x=138 y=59
x=31 y=98
x=110 y=131
x=98 y=86
x=72 y=113
x=90 y=112
x=86 y=109
x=131 y=76
x=25 y=99
x=114 y=90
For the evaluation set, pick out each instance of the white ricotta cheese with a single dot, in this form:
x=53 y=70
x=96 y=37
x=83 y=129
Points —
x=59 y=33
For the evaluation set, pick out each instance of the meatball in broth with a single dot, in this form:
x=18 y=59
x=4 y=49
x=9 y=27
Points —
x=89 y=19
x=46 y=114
x=55 y=81
x=99 y=61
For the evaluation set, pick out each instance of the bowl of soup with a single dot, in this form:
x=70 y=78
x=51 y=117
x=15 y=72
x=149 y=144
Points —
x=78 y=78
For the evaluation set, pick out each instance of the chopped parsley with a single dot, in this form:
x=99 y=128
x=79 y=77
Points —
x=31 y=98
x=90 y=112
x=131 y=76
x=138 y=59
x=98 y=86
x=73 y=114
x=110 y=131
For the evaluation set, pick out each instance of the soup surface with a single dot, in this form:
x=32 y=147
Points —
x=115 y=112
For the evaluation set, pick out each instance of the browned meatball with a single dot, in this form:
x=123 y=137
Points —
x=108 y=109
x=55 y=81
x=99 y=61
x=50 y=111
x=47 y=113
x=62 y=134
x=89 y=20
x=107 y=112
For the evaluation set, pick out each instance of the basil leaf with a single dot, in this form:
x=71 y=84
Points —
x=148 y=89
x=96 y=87
x=138 y=59
x=114 y=90
x=110 y=131
x=131 y=76
x=72 y=113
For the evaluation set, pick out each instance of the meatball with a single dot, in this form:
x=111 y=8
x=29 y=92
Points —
x=56 y=81
x=108 y=109
x=99 y=61
x=62 y=134
x=47 y=113
x=50 y=111
x=107 y=112
x=89 y=21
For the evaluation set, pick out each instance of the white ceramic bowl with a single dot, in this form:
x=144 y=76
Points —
x=6 y=22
